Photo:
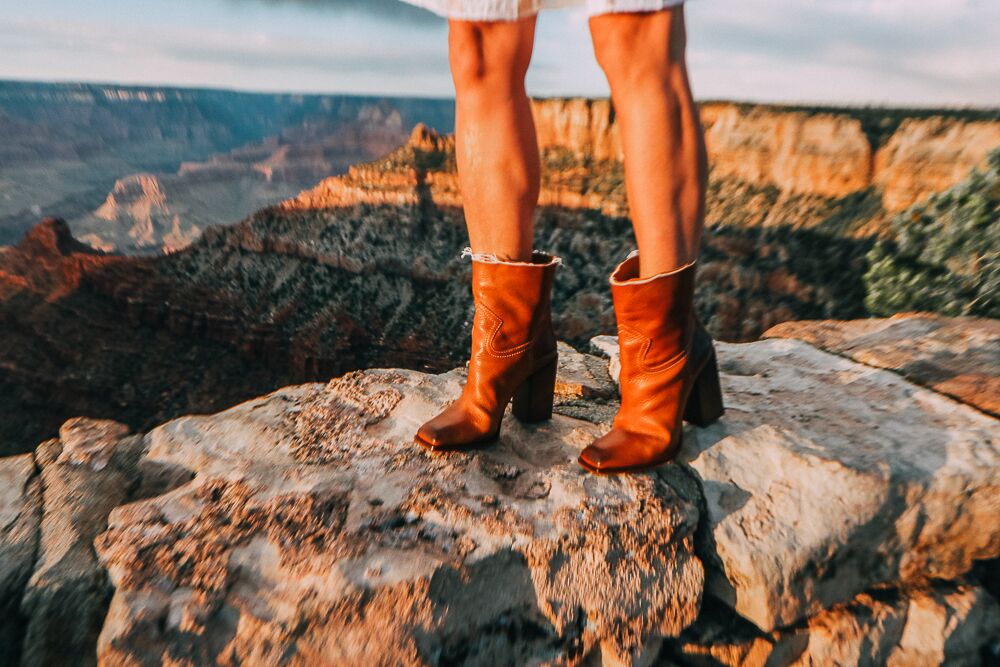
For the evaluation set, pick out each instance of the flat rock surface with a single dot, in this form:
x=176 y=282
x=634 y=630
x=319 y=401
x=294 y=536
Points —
x=959 y=356
x=314 y=530
x=826 y=477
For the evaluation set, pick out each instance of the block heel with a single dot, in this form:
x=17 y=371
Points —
x=533 y=399
x=704 y=404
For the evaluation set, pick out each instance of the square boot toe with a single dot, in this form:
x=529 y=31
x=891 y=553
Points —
x=621 y=451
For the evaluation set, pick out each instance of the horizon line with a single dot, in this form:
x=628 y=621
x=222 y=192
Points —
x=786 y=104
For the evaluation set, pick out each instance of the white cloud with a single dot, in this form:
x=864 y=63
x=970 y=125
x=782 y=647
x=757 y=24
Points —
x=912 y=52
x=923 y=52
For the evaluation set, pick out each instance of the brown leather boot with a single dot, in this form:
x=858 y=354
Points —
x=513 y=354
x=668 y=369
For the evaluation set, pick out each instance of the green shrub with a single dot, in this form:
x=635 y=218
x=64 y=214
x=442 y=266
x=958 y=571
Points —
x=945 y=256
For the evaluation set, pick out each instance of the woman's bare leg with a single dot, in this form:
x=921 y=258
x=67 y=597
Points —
x=497 y=151
x=642 y=55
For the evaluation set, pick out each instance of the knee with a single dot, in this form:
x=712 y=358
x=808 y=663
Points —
x=635 y=50
x=486 y=59
x=613 y=49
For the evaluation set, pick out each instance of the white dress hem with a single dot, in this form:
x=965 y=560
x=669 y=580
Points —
x=512 y=10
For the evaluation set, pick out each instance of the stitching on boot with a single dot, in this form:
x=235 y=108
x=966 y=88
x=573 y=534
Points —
x=491 y=348
x=647 y=343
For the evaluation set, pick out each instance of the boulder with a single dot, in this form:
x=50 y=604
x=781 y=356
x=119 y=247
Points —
x=956 y=356
x=941 y=625
x=67 y=596
x=20 y=513
x=90 y=441
x=315 y=531
x=827 y=477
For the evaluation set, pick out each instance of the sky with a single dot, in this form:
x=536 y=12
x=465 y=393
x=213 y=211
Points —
x=888 y=52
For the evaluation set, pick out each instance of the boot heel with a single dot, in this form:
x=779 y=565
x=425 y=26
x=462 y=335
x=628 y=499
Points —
x=704 y=404
x=533 y=399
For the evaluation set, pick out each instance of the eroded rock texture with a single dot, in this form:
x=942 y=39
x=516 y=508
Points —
x=20 y=514
x=315 y=530
x=53 y=593
x=828 y=477
x=67 y=597
x=942 y=625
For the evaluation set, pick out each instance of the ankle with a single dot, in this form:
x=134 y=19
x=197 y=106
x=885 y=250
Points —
x=518 y=257
x=655 y=265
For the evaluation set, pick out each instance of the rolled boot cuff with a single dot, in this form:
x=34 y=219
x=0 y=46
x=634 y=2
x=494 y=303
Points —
x=628 y=271
x=538 y=257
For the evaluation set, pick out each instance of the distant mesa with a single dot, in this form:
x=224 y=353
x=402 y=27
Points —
x=65 y=144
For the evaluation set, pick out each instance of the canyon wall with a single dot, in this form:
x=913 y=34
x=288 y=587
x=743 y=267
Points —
x=214 y=157
x=63 y=147
x=829 y=153
x=926 y=156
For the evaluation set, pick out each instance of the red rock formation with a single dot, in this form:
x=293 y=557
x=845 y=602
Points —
x=49 y=262
x=584 y=126
x=930 y=155
x=826 y=153
x=822 y=154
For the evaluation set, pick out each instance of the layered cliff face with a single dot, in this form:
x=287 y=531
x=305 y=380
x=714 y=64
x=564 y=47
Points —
x=813 y=154
x=137 y=205
x=827 y=153
x=148 y=213
x=927 y=156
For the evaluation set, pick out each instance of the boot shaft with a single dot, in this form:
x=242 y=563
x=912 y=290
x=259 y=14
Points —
x=514 y=302
x=655 y=315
